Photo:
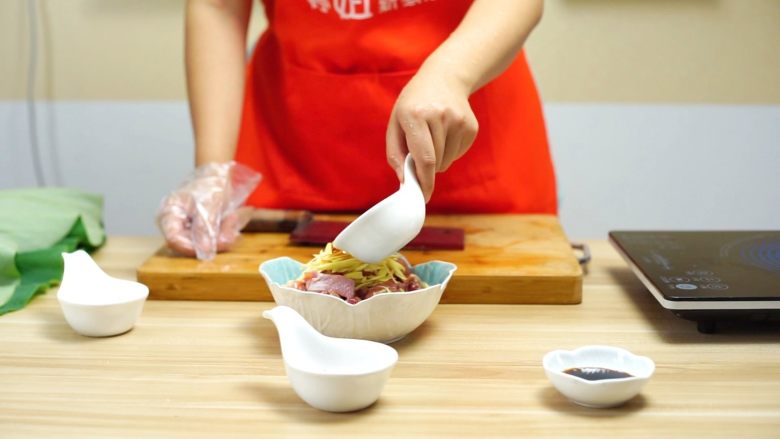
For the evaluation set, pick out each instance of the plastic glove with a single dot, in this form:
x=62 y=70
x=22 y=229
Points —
x=204 y=215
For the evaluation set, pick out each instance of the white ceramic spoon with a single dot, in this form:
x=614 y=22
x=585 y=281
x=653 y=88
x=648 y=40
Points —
x=331 y=374
x=389 y=225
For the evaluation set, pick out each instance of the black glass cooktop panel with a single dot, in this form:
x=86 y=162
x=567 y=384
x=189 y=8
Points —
x=706 y=265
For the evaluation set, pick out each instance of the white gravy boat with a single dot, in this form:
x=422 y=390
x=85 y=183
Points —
x=389 y=225
x=331 y=374
x=94 y=303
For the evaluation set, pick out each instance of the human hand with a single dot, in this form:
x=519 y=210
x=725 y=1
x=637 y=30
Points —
x=203 y=216
x=433 y=121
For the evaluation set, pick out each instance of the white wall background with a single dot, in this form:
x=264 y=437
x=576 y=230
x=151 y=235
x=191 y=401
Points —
x=666 y=166
x=132 y=153
x=619 y=166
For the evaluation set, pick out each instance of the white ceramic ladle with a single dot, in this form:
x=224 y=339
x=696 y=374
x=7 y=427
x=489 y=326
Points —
x=94 y=303
x=331 y=374
x=389 y=225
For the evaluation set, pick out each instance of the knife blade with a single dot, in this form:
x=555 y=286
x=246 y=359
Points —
x=306 y=231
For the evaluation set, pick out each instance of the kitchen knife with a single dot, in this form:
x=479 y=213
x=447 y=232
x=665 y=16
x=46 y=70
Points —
x=276 y=220
x=306 y=231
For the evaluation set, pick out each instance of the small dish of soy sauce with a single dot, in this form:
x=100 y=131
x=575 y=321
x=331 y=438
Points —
x=598 y=376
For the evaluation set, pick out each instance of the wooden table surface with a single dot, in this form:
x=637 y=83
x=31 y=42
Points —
x=214 y=369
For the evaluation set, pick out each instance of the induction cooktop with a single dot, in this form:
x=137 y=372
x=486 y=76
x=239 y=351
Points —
x=707 y=276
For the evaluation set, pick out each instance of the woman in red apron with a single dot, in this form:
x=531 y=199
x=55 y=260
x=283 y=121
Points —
x=337 y=89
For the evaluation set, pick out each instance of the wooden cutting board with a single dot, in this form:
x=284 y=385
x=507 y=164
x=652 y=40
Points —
x=507 y=259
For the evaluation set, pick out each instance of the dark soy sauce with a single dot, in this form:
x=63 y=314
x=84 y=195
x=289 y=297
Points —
x=596 y=373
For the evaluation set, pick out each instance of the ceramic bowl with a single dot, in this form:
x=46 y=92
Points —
x=598 y=393
x=384 y=317
x=96 y=304
x=331 y=374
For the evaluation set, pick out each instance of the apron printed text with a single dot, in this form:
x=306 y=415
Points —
x=361 y=9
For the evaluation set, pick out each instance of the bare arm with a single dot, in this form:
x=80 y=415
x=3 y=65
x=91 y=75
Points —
x=432 y=118
x=215 y=48
x=196 y=219
x=486 y=41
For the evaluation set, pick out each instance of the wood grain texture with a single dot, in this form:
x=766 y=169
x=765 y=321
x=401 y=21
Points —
x=213 y=369
x=507 y=259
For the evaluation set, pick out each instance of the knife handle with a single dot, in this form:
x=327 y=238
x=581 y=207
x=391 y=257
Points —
x=276 y=220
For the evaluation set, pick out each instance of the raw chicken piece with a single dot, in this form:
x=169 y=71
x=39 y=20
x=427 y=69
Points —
x=332 y=283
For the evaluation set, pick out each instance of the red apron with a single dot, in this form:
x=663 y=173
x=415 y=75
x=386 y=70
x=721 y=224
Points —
x=320 y=88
